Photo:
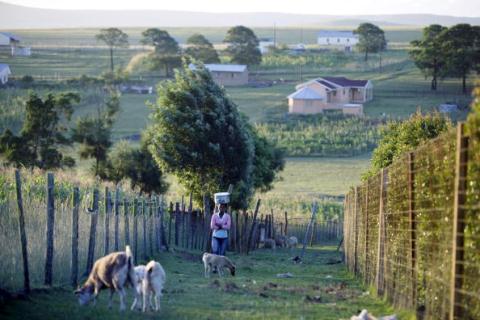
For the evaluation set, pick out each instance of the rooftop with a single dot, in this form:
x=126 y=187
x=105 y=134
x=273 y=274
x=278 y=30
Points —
x=11 y=36
x=305 y=93
x=4 y=66
x=336 y=34
x=345 y=82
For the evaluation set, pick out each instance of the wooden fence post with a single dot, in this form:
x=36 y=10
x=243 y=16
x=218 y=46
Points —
x=379 y=279
x=50 y=229
x=164 y=236
x=93 y=231
x=412 y=225
x=250 y=236
x=177 y=223
x=355 y=229
x=127 y=221
x=314 y=211
x=23 y=234
x=367 y=230
x=135 y=229
x=170 y=223
x=461 y=167
x=108 y=208
x=144 y=227
x=117 y=217
x=76 y=205
x=286 y=224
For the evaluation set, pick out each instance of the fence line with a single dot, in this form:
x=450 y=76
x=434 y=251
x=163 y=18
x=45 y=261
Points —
x=412 y=230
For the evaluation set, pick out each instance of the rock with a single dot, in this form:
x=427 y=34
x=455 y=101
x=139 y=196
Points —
x=284 y=275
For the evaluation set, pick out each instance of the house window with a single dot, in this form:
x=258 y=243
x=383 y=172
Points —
x=348 y=40
x=338 y=39
x=233 y=75
x=334 y=93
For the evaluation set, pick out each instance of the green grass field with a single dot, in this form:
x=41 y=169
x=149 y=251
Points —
x=318 y=290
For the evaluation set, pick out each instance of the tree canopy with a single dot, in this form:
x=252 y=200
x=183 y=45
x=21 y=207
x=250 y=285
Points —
x=243 y=46
x=198 y=135
x=201 y=49
x=371 y=39
x=113 y=38
x=428 y=53
x=166 y=50
x=43 y=132
x=399 y=137
x=93 y=132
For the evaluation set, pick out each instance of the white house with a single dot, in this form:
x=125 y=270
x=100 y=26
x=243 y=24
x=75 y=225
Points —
x=4 y=73
x=330 y=93
x=265 y=44
x=12 y=42
x=344 y=40
x=227 y=74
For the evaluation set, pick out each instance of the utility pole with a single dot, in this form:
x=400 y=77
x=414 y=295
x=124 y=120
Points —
x=274 y=35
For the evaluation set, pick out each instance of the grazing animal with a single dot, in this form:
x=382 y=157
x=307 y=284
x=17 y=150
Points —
x=211 y=261
x=281 y=241
x=269 y=244
x=297 y=260
x=152 y=285
x=140 y=273
x=292 y=242
x=114 y=271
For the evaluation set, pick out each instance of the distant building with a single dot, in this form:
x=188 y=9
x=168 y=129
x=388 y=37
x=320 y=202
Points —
x=4 y=73
x=343 y=40
x=227 y=74
x=265 y=45
x=330 y=93
x=12 y=43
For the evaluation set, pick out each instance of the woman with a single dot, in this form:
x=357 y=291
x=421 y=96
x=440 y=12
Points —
x=220 y=224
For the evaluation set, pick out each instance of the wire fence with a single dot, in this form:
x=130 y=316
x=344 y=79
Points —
x=54 y=228
x=412 y=230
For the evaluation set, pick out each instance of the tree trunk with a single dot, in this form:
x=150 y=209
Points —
x=111 y=59
x=434 y=76
x=464 y=83
x=366 y=55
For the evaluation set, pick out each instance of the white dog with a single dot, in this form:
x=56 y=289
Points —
x=151 y=284
x=211 y=261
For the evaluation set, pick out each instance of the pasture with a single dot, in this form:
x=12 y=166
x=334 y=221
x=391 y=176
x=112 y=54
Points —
x=318 y=290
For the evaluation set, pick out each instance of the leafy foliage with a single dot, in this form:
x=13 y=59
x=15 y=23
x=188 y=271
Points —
x=166 y=50
x=428 y=53
x=201 y=49
x=113 y=38
x=399 y=137
x=42 y=133
x=371 y=39
x=323 y=134
x=198 y=135
x=268 y=161
x=93 y=132
x=243 y=46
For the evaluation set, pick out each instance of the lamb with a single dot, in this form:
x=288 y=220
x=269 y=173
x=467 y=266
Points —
x=211 y=261
x=114 y=271
x=151 y=285
x=292 y=242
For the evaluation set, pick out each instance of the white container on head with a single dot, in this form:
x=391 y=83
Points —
x=222 y=197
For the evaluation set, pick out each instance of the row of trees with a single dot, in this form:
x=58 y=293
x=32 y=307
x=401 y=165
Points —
x=242 y=47
x=448 y=52
x=197 y=134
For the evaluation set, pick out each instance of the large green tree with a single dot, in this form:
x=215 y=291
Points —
x=166 y=52
x=93 y=133
x=428 y=53
x=371 y=39
x=461 y=46
x=198 y=134
x=137 y=165
x=268 y=161
x=43 y=132
x=399 y=137
x=201 y=49
x=113 y=38
x=243 y=46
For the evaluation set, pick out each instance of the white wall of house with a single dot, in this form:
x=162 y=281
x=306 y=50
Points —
x=337 y=41
x=230 y=78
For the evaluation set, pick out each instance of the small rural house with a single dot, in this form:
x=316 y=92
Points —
x=265 y=44
x=227 y=74
x=330 y=93
x=4 y=73
x=343 y=40
x=12 y=43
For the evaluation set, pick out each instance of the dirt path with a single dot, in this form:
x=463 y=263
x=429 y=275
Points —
x=321 y=288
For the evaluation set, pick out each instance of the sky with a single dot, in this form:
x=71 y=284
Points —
x=467 y=8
